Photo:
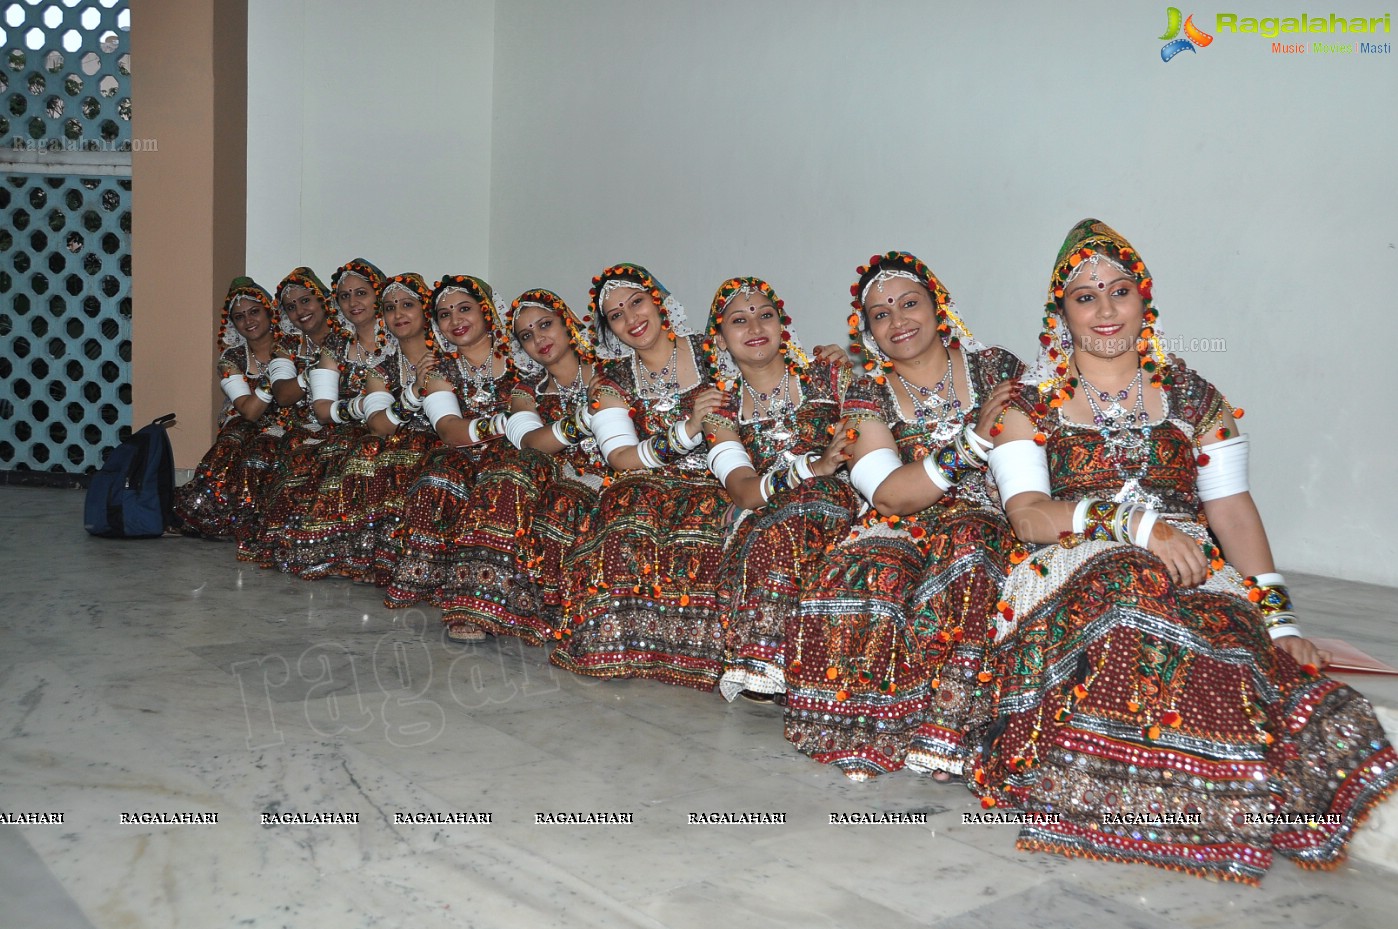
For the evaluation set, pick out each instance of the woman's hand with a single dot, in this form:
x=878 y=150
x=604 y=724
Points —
x=1002 y=396
x=831 y=352
x=706 y=401
x=1305 y=652
x=836 y=453
x=427 y=369
x=1183 y=557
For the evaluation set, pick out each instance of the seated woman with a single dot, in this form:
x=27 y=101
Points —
x=465 y=401
x=641 y=585
x=360 y=492
x=227 y=488
x=529 y=502
x=887 y=663
x=306 y=306
x=1156 y=701
x=775 y=445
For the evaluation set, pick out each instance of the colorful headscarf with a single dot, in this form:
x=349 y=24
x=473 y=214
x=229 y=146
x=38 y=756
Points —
x=305 y=277
x=412 y=283
x=553 y=303
x=723 y=370
x=905 y=265
x=228 y=334
x=626 y=274
x=367 y=270
x=480 y=291
x=1088 y=242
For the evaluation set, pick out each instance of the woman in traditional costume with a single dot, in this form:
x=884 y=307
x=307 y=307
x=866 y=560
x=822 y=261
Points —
x=888 y=663
x=466 y=401
x=360 y=495
x=641 y=585
x=229 y=482
x=775 y=445
x=306 y=315
x=1156 y=701
x=531 y=500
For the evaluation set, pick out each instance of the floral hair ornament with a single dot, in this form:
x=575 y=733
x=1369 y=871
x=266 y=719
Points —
x=1089 y=246
x=479 y=291
x=412 y=284
x=626 y=274
x=723 y=370
x=305 y=277
x=550 y=302
x=368 y=272
x=895 y=266
x=244 y=288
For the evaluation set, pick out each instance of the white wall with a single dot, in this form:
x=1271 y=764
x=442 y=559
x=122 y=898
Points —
x=793 y=138
x=369 y=134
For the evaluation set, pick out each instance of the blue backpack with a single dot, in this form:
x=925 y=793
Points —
x=131 y=497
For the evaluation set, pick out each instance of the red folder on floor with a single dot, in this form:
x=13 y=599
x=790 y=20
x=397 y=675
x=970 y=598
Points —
x=1346 y=659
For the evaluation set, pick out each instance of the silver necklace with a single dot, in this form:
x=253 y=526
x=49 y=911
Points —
x=661 y=387
x=928 y=402
x=1125 y=434
x=774 y=406
x=478 y=377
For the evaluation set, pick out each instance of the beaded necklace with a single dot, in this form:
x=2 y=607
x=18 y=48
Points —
x=659 y=391
x=570 y=396
x=369 y=359
x=1125 y=435
x=944 y=415
x=773 y=417
x=477 y=376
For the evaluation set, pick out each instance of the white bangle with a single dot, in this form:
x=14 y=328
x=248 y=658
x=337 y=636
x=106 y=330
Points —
x=235 y=387
x=929 y=464
x=1141 y=537
x=1019 y=467
x=1271 y=579
x=440 y=404
x=648 y=457
x=1226 y=473
x=801 y=467
x=1080 y=514
x=978 y=447
x=366 y=405
x=263 y=394
x=561 y=434
x=281 y=369
x=726 y=457
x=682 y=437
x=872 y=470
x=337 y=411
x=614 y=430
x=325 y=384
x=409 y=398
x=520 y=425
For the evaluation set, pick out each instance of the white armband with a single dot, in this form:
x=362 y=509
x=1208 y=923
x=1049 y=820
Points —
x=235 y=387
x=727 y=457
x=373 y=403
x=325 y=384
x=1226 y=473
x=614 y=430
x=281 y=369
x=520 y=425
x=872 y=470
x=1020 y=467
x=440 y=404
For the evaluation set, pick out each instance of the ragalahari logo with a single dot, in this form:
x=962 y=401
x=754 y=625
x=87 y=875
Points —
x=1192 y=35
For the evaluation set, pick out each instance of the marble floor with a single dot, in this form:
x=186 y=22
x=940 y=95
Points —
x=162 y=677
